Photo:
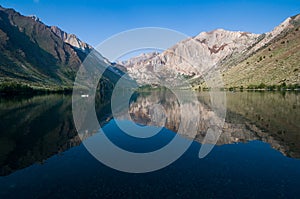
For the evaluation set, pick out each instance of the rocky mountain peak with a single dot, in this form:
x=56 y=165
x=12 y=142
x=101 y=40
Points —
x=221 y=37
x=222 y=41
x=71 y=39
x=35 y=18
x=190 y=57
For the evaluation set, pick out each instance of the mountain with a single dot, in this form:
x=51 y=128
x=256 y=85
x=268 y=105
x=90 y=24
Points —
x=196 y=54
x=243 y=58
x=34 y=55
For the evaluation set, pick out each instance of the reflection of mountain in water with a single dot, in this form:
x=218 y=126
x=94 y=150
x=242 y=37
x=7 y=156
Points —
x=269 y=117
x=34 y=129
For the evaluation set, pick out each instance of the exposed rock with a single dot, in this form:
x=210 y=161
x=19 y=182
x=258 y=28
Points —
x=71 y=39
x=191 y=57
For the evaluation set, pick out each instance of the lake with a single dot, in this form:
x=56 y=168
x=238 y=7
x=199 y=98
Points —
x=257 y=154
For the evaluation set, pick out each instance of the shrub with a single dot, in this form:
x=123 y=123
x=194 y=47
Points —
x=271 y=88
x=13 y=87
x=261 y=86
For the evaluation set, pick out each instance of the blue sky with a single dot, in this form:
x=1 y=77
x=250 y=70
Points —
x=95 y=20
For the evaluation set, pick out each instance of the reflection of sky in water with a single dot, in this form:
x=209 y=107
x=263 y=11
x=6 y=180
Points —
x=133 y=144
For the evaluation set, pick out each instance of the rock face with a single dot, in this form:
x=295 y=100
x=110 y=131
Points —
x=71 y=39
x=191 y=57
x=196 y=56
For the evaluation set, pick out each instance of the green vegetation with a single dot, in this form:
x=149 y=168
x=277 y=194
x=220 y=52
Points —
x=13 y=88
x=281 y=87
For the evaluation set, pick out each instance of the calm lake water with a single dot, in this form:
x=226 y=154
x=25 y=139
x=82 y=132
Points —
x=257 y=155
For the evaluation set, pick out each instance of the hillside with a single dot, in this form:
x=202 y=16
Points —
x=275 y=63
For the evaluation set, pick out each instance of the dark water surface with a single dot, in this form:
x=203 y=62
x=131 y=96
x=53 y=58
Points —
x=257 y=155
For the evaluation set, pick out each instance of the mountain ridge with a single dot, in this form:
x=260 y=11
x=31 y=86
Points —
x=218 y=49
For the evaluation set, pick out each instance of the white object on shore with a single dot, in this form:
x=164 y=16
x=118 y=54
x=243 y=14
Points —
x=85 y=96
